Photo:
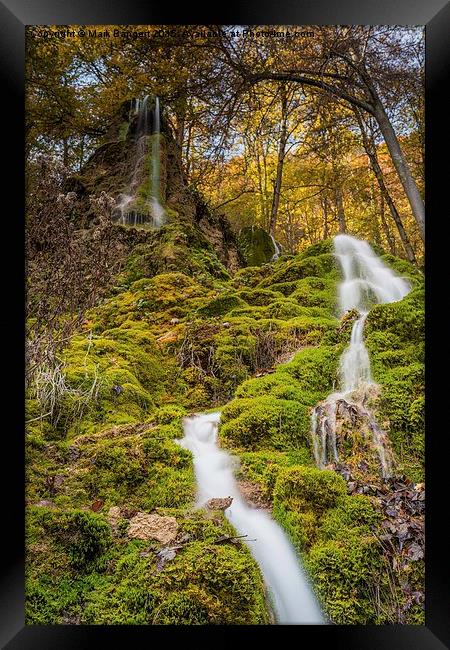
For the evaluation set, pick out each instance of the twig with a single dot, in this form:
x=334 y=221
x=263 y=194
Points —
x=222 y=540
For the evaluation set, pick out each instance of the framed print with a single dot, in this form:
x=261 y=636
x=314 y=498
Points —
x=225 y=416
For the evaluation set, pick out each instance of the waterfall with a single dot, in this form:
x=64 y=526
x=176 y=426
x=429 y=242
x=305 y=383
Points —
x=354 y=367
x=157 y=209
x=290 y=593
x=366 y=281
x=131 y=208
x=277 y=248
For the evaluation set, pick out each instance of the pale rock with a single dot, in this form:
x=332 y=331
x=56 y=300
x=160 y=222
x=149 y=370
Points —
x=220 y=504
x=114 y=516
x=146 y=526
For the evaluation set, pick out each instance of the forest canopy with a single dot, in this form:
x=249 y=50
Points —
x=304 y=136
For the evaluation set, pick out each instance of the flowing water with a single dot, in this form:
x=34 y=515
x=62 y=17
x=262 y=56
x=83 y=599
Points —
x=157 y=209
x=366 y=281
x=290 y=593
x=277 y=248
x=126 y=205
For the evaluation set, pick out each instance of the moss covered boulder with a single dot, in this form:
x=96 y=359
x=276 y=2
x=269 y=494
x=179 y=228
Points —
x=256 y=245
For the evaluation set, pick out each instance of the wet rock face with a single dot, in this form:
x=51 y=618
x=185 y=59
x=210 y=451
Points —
x=345 y=429
x=113 y=164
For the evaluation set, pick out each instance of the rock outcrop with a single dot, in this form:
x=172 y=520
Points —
x=111 y=166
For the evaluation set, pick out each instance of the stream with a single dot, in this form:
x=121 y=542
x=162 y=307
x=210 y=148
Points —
x=290 y=593
x=366 y=281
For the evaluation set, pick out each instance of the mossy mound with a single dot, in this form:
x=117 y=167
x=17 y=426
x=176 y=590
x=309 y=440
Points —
x=133 y=465
x=265 y=422
x=115 y=581
x=256 y=245
x=302 y=266
x=395 y=335
x=273 y=411
x=337 y=536
x=178 y=246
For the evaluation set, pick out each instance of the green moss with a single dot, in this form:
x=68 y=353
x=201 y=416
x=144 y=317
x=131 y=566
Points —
x=336 y=535
x=167 y=414
x=256 y=245
x=307 y=488
x=259 y=297
x=203 y=584
x=221 y=305
x=315 y=368
x=123 y=131
x=263 y=467
x=316 y=292
x=301 y=267
x=176 y=246
x=344 y=572
x=251 y=276
x=395 y=339
x=405 y=318
x=285 y=288
x=125 y=585
x=404 y=268
x=118 y=372
x=132 y=465
x=321 y=248
x=154 y=300
x=265 y=422
x=353 y=515
x=83 y=536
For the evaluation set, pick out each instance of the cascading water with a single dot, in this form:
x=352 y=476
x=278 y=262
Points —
x=157 y=209
x=290 y=593
x=366 y=281
x=131 y=210
x=277 y=248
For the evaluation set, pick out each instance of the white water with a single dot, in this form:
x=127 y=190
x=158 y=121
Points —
x=366 y=281
x=157 y=209
x=128 y=215
x=277 y=248
x=291 y=595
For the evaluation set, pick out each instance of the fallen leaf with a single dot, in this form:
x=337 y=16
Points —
x=415 y=552
x=165 y=555
x=97 y=505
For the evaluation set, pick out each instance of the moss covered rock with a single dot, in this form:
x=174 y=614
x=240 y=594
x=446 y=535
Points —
x=265 y=422
x=256 y=245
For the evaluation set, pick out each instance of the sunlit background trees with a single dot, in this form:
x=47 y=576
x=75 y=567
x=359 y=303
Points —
x=303 y=136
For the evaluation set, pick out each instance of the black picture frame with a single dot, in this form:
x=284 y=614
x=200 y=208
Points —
x=14 y=16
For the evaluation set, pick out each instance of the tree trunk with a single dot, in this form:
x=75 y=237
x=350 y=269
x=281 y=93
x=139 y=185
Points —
x=179 y=133
x=280 y=164
x=65 y=152
x=81 y=159
x=375 y=107
x=400 y=164
x=376 y=235
x=262 y=205
x=369 y=147
x=384 y=224
x=188 y=163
